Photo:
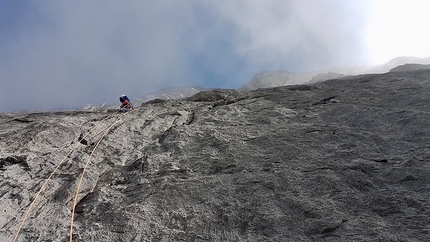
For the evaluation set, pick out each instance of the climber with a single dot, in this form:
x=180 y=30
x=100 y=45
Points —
x=125 y=103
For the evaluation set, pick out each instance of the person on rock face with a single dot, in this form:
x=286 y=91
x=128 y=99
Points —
x=125 y=103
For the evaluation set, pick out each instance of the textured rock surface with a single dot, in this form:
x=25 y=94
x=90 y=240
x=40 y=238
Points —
x=343 y=160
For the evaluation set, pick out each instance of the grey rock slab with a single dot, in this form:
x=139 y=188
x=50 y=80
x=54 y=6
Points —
x=341 y=160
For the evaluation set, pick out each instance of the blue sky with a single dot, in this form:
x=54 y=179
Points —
x=65 y=54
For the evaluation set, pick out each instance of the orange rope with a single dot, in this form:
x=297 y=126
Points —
x=83 y=172
x=50 y=176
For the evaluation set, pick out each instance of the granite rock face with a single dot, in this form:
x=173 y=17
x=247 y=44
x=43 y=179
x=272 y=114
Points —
x=342 y=160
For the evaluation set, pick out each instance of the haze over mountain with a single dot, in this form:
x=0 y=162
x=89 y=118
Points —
x=165 y=93
x=62 y=55
x=282 y=78
x=276 y=78
x=341 y=160
x=410 y=67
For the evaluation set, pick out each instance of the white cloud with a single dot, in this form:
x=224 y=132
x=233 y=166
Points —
x=91 y=51
x=63 y=54
x=301 y=34
x=398 y=28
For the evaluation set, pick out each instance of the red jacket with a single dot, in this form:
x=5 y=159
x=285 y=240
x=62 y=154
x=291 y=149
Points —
x=125 y=104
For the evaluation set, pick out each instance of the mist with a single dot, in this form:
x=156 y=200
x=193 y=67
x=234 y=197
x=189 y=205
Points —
x=63 y=55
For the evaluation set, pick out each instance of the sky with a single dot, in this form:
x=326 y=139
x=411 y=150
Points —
x=58 y=55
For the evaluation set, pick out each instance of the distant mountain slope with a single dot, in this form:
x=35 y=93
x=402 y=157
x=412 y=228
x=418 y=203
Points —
x=410 y=67
x=324 y=77
x=276 y=78
x=173 y=92
x=267 y=79
x=402 y=60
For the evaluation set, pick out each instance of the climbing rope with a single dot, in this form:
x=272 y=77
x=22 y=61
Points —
x=82 y=176
x=85 y=167
x=52 y=174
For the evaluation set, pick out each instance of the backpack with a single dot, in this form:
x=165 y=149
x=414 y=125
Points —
x=123 y=98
